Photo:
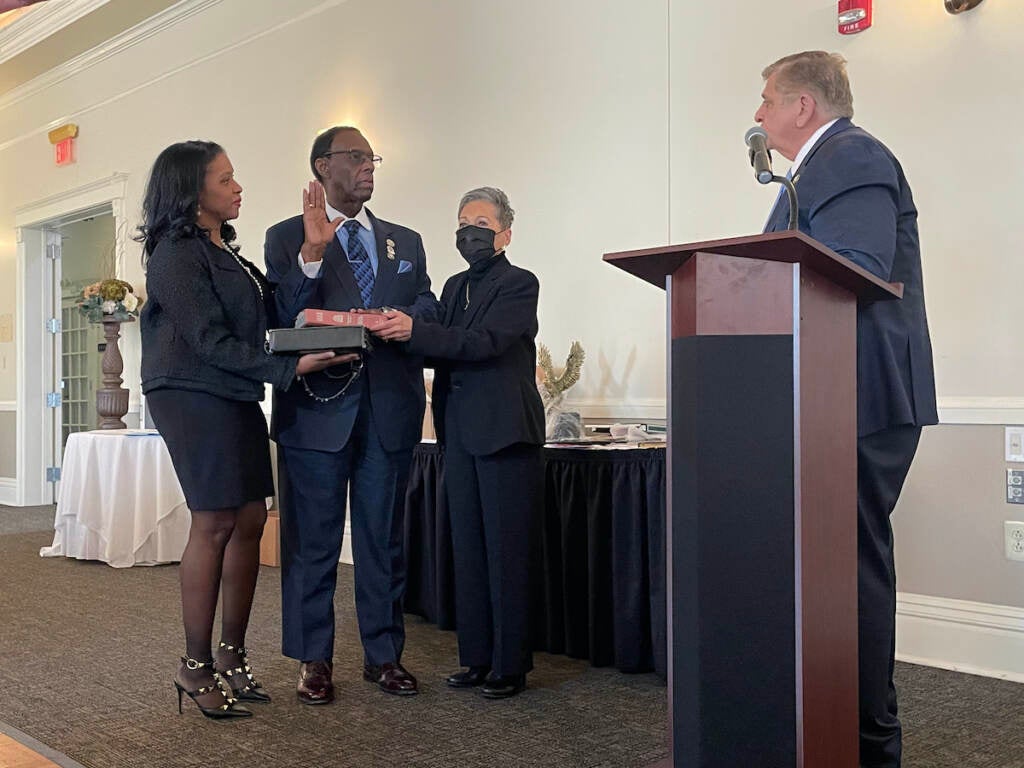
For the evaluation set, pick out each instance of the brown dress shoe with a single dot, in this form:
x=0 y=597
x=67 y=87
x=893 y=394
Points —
x=391 y=678
x=315 y=686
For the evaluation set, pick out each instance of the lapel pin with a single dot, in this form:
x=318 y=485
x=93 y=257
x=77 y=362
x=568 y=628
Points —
x=391 y=248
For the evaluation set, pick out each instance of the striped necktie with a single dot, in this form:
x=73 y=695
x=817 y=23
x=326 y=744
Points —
x=357 y=257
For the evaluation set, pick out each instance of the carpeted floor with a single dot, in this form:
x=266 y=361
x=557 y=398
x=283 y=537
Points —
x=87 y=653
x=25 y=519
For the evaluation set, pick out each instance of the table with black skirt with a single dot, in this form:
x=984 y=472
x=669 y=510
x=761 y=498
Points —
x=598 y=554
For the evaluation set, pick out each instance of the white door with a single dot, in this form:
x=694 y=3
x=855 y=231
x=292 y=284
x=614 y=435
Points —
x=38 y=426
x=87 y=256
x=80 y=250
x=52 y=364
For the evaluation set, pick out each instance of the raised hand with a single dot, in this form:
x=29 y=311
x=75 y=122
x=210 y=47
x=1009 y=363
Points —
x=317 y=229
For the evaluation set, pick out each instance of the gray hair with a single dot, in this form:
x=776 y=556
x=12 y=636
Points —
x=821 y=73
x=495 y=197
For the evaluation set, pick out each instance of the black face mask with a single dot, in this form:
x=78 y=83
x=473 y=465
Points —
x=475 y=243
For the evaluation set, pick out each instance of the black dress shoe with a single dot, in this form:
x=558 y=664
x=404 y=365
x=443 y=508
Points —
x=503 y=686
x=315 y=685
x=391 y=678
x=468 y=678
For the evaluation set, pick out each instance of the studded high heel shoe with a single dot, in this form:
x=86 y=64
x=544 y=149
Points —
x=244 y=686
x=229 y=709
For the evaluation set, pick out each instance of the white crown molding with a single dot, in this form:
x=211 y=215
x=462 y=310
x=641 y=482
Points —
x=39 y=22
x=94 y=193
x=115 y=45
x=961 y=635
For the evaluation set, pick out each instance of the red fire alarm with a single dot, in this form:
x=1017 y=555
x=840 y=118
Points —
x=854 y=16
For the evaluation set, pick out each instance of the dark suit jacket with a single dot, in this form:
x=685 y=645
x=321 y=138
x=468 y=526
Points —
x=854 y=198
x=203 y=325
x=485 y=368
x=394 y=378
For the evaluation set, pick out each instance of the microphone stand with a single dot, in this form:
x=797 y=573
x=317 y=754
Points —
x=791 y=193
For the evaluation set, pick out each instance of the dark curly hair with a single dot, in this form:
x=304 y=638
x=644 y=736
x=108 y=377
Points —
x=171 y=204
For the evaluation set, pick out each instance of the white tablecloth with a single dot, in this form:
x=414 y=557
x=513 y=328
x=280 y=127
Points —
x=120 y=501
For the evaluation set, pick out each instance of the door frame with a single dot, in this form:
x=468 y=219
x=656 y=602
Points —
x=33 y=446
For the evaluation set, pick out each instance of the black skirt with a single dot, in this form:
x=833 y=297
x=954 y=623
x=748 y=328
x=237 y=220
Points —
x=219 y=447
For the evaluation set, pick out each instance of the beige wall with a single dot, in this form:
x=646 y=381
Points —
x=939 y=90
x=602 y=145
x=611 y=126
x=949 y=522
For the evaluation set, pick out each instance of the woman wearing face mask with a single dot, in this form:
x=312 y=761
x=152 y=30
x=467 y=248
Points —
x=489 y=418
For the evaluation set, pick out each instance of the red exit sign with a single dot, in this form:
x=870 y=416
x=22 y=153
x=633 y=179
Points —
x=64 y=151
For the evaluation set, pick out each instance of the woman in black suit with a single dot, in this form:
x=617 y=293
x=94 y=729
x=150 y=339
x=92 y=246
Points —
x=203 y=373
x=489 y=418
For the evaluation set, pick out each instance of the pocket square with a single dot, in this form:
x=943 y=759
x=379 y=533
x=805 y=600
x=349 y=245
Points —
x=404 y=266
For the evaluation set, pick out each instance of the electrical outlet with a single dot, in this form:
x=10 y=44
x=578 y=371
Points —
x=1014 y=539
x=1015 y=486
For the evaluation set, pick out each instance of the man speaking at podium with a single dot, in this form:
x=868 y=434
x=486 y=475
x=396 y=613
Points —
x=854 y=198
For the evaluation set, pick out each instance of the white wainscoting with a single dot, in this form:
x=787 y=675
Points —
x=964 y=636
x=952 y=410
x=8 y=485
x=981 y=410
x=610 y=408
x=8 y=491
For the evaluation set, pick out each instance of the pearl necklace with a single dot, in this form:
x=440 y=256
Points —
x=244 y=269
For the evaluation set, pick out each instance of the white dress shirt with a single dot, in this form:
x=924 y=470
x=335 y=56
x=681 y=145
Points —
x=311 y=269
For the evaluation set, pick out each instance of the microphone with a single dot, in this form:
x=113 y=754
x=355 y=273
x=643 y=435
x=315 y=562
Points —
x=760 y=158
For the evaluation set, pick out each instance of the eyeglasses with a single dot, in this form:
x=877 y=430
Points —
x=356 y=156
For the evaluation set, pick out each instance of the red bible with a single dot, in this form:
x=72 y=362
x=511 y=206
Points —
x=308 y=317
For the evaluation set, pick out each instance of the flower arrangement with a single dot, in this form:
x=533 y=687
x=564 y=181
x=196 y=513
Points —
x=109 y=300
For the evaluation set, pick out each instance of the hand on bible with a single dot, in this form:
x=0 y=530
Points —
x=397 y=326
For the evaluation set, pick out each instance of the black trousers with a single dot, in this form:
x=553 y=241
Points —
x=493 y=501
x=883 y=460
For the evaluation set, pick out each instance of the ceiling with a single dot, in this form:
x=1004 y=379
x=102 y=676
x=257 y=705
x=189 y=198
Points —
x=36 y=39
x=9 y=16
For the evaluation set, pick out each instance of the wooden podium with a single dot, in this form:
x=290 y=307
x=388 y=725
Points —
x=761 y=523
